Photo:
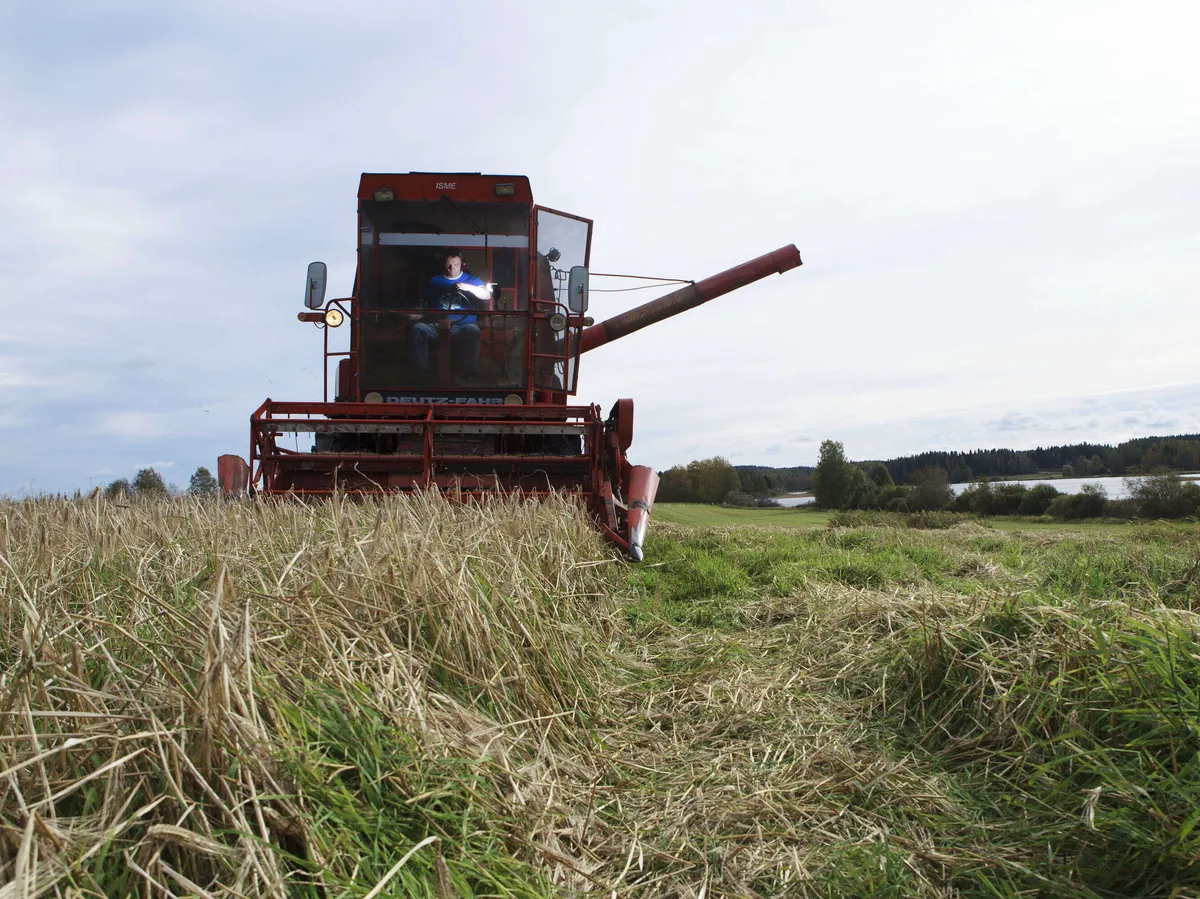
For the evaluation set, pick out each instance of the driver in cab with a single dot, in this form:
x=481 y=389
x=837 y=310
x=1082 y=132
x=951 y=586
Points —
x=452 y=291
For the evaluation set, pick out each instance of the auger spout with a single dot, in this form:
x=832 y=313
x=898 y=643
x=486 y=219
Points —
x=775 y=262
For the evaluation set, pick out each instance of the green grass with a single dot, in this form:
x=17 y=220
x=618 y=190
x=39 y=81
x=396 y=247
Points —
x=699 y=515
x=1019 y=712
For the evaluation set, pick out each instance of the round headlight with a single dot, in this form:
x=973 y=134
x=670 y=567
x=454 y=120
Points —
x=334 y=317
x=558 y=322
x=513 y=399
x=373 y=397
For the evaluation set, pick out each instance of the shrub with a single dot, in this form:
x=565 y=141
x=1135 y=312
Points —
x=851 y=520
x=862 y=494
x=985 y=498
x=931 y=489
x=916 y=520
x=894 y=498
x=118 y=489
x=1164 y=494
x=858 y=518
x=931 y=521
x=1089 y=502
x=1037 y=500
x=962 y=501
x=1122 y=508
x=1006 y=499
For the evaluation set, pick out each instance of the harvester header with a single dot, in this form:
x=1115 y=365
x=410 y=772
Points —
x=467 y=321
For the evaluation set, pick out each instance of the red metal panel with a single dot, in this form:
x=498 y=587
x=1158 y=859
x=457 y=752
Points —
x=233 y=474
x=430 y=460
x=622 y=416
x=467 y=186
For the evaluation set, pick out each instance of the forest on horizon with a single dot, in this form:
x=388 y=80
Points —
x=1179 y=452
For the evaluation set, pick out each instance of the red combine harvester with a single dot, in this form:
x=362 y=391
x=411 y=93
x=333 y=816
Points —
x=466 y=326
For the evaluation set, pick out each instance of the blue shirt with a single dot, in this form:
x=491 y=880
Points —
x=440 y=294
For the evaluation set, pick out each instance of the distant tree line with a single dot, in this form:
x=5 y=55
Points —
x=1078 y=460
x=1081 y=460
x=149 y=484
x=844 y=485
x=759 y=480
x=920 y=482
x=841 y=484
x=715 y=480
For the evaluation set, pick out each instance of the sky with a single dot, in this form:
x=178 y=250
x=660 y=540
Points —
x=996 y=204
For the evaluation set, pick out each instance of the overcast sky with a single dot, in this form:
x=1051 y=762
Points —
x=997 y=205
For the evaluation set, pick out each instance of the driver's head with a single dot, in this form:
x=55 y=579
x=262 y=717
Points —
x=452 y=260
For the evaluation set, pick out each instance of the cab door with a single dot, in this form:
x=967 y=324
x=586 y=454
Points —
x=563 y=241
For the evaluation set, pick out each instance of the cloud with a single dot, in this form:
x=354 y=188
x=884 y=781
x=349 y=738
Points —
x=108 y=227
x=13 y=381
x=136 y=425
x=138 y=466
x=1015 y=421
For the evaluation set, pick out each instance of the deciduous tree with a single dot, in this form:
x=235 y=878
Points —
x=202 y=483
x=700 y=481
x=149 y=484
x=831 y=480
x=880 y=475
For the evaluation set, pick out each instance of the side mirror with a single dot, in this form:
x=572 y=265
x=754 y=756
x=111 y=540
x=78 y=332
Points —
x=314 y=293
x=577 y=289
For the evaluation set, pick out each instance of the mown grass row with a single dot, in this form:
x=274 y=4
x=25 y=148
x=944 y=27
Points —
x=1045 y=689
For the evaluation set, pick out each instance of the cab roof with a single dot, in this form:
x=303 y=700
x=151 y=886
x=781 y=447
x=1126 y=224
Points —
x=463 y=186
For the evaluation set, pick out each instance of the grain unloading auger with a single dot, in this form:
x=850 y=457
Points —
x=467 y=322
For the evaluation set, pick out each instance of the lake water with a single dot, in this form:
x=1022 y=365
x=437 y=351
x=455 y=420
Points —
x=1113 y=487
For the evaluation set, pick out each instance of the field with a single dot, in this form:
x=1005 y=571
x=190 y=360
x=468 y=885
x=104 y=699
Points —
x=698 y=515
x=422 y=699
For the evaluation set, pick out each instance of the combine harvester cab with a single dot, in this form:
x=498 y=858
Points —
x=467 y=323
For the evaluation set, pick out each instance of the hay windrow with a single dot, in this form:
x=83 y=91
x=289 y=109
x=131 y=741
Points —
x=183 y=680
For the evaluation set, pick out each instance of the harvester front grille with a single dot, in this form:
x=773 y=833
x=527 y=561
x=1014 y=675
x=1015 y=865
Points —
x=369 y=448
